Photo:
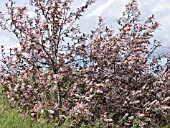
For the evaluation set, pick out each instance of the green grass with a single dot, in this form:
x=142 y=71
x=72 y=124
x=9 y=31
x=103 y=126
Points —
x=10 y=118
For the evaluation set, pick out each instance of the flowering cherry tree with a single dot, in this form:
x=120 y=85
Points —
x=59 y=71
x=36 y=70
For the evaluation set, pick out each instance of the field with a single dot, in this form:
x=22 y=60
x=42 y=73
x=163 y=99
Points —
x=10 y=118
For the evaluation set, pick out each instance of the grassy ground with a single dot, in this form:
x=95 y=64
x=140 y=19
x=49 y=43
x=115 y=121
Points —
x=9 y=118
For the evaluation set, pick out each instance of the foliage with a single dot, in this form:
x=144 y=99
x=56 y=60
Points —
x=97 y=78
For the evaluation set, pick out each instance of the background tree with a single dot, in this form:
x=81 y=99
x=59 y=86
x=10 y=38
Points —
x=120 y=79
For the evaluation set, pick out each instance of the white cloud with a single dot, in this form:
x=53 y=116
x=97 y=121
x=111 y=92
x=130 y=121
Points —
x=4 y=40
x=101 y=8
x=162 y=5
x=7 y=41
x=31 y=14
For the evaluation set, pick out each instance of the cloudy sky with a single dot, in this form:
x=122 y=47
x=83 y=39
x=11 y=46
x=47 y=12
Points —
x=112 y=9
